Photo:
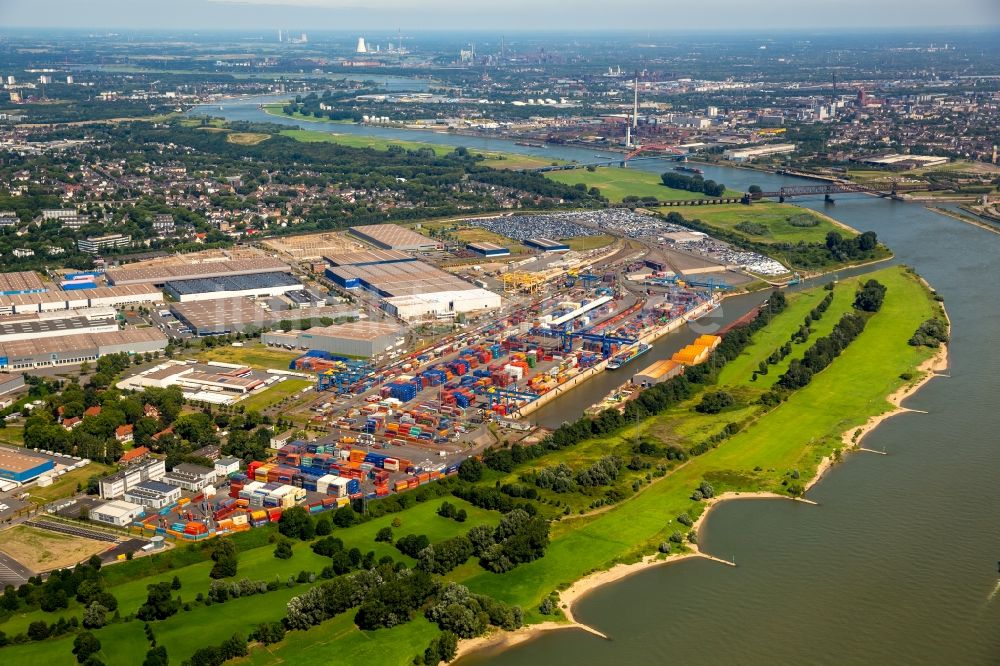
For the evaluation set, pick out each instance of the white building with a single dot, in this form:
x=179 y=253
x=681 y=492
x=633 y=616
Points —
x=190 y=477
x=116 y=512
x=118 y=484
x=442 y=304
x=748 y=154
x=226 y=466
x=153 y=494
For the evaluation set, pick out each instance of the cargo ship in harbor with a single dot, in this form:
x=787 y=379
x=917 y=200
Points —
x=687 y=169
x=629 y=355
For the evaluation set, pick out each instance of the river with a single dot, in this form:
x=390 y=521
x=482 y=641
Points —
x=898 y=562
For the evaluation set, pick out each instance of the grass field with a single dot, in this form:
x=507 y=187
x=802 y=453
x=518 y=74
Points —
x=360 y=141
x=256 y=356
x=275 y=394
x=584 y=243
x=616 y=184
x=12 y=434
x=42 y=550
x=247 y=138
x=516 y=161
x=776 y=217
x=66 y=484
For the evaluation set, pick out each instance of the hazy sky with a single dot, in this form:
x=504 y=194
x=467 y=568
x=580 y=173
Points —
x=507 y=15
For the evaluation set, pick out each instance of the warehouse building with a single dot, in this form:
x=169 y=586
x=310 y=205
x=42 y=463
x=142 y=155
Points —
x=415 y=290
x=209 y=383
x=190 y=477
x=547 y=245
x=367 y=258
x=262 y=285
x=22 y=467
x=235 y=315
x=658 y=372
x=118 y=484
x=21 y=282
x=50 y=301
x=441 y=304
x=57 y=324
x=488 y=249
x=9 y=382
x=74 y=349
x=153 y=494
x=116 y=512
x=160 y=273
x=394 y=237
x=750 y=154
x=360 y=338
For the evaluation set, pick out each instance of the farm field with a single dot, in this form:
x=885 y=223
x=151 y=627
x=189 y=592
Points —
x=42 y=550
x=616 y=184
x=775 y=219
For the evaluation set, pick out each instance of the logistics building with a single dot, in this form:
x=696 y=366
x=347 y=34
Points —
x=360 y=338
x=113 y=297
x=394 y=237
x=367 y=258
x=750 y=154
x=160 y=274
x=153 y=494
x=488 y=249
x=261 y=285
x=22 y=467
x=658 y=372
x=73 y=349
x=116 y=512
x=198 y=382
x=57 y=324
x=21 y=282
x=415 y=290
x=234 y=315
x=10 y=382
x=118 y=484
x=547 y=245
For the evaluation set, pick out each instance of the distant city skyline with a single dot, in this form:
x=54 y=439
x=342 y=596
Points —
x=511 y=15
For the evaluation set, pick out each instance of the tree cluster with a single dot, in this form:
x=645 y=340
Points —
x=822 y=353
x=468 y=615
x=931 y=333
x=696 y=183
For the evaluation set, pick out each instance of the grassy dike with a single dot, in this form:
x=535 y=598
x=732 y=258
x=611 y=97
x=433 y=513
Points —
x=797 y=435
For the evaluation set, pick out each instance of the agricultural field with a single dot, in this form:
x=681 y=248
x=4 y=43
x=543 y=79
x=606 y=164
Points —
x=252 y=355
x=769 y=222
x=616 y=184
x=42 y=550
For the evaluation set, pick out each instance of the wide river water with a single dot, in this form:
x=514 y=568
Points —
x=898 y=562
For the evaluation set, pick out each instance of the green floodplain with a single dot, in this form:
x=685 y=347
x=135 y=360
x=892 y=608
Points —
x=771 y=448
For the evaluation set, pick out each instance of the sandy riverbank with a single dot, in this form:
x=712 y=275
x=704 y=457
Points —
x=500 y=640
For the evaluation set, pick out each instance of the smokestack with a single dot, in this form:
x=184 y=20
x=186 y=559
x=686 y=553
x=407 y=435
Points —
x=635 y=108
